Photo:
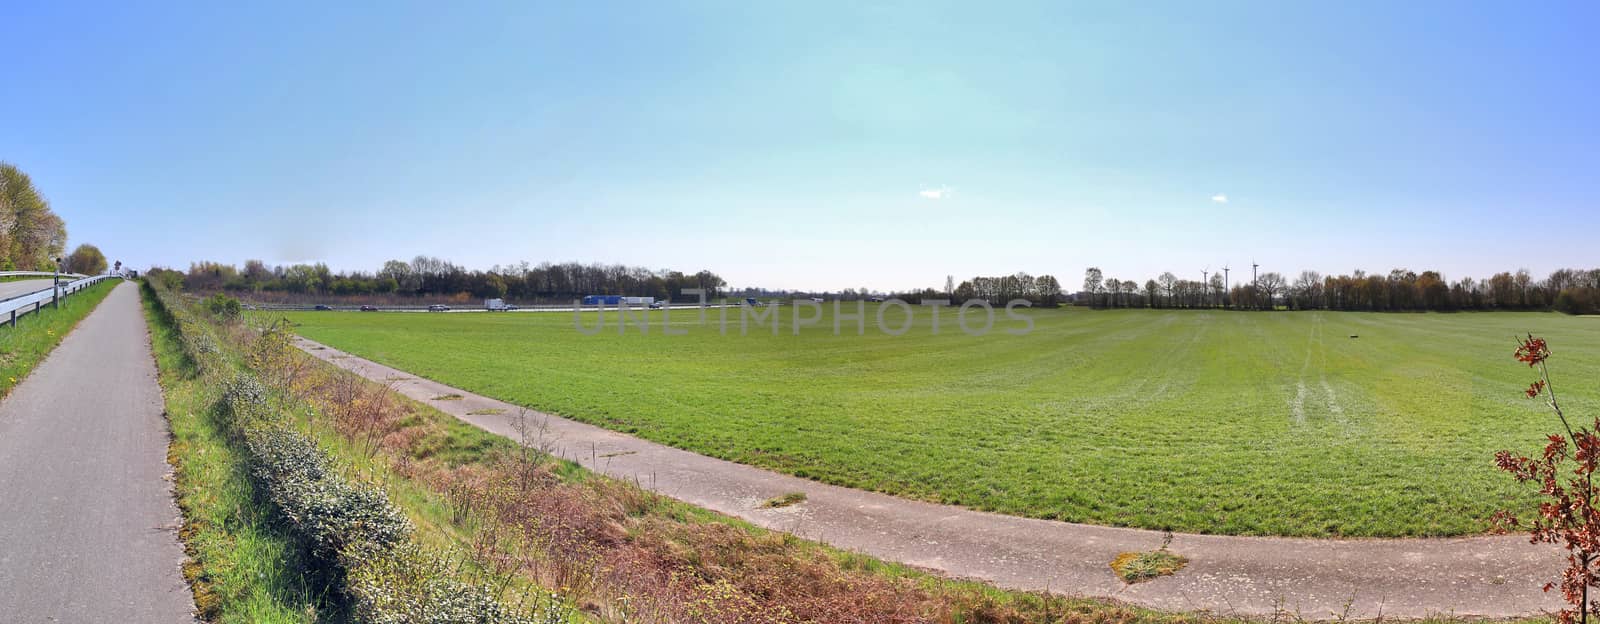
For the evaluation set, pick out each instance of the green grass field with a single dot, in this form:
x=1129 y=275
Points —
x=1212 y=422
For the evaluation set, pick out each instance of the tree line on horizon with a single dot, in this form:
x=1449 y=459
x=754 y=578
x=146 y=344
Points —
x=1042 y=290
x=1573 y=291
x=429 y=276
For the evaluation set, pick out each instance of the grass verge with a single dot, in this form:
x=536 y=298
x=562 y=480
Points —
x=356 y=554
x=242 y=566
x=24 y=346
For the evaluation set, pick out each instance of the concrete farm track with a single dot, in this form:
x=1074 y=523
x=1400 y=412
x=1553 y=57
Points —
x=1493 y=576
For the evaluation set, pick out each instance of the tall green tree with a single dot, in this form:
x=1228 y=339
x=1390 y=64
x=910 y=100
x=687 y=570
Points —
x=86 y=259
x=30 y=234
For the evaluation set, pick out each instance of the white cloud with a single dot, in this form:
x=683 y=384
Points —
x=937 y=193
x=1220 y=198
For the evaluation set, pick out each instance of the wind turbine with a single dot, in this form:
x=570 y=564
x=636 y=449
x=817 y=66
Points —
x=1205 y=286
x=1224 y=283
x=1255 y=284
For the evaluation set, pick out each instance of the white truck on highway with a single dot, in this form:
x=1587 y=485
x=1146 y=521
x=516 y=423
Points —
x=497 y=305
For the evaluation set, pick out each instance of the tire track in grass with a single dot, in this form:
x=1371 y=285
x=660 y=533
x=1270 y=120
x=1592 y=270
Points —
x=1297 y=406
x=1316 y=355
x=1335 y=408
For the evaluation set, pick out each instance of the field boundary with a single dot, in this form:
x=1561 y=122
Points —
x=1493 y=576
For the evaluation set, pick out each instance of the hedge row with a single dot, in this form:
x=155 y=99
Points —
x=352 y=529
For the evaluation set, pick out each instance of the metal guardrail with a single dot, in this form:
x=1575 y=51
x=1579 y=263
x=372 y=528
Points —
x=15 y=307
x=37 y=274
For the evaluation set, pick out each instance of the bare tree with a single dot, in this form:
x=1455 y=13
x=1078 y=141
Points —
x=1130 y=290
x=1093 y=279
x=1271 y=285
x=1167 y=280
x=1308 y=290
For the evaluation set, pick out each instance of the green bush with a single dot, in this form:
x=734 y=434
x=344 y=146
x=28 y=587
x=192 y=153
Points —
x=223 y=306
x=341 y=521
x=86 y=259
x=245 y=399
x=169 y=280
x=200 y=345
x=411 y=585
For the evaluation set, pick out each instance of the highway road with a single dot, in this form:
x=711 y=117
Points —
x=88 y=528
x=22 y=287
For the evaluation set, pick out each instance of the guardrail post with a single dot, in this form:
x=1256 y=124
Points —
x=13 y=318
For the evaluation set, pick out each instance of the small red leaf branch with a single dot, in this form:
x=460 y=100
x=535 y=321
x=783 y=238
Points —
x=1565 y=475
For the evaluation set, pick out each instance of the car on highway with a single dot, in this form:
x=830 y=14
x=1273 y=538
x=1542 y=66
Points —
x=438 y=307
x=369 y=308
x=658 y=305
x=323 y=307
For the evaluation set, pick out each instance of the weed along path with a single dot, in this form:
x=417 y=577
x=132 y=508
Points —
x=88 y=528
x=1499 y=576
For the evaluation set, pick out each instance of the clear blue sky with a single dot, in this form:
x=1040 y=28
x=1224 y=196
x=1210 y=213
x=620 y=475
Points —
x=800 y=144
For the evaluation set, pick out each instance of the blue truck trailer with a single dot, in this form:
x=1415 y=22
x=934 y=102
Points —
x=617 y=300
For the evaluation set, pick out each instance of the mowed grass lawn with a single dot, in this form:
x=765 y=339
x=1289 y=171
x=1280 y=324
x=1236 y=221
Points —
x=1194 y=421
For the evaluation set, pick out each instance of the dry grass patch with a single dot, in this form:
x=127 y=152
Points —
x=787 y=500
x=1135 y=567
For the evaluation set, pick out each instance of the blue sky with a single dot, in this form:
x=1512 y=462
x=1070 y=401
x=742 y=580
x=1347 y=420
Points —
x=797 y=144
